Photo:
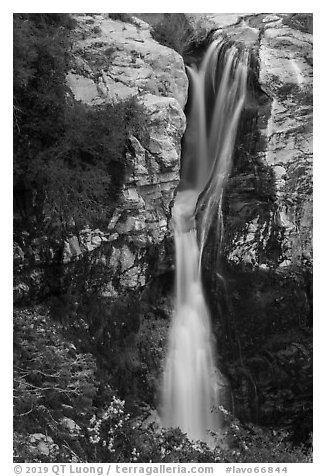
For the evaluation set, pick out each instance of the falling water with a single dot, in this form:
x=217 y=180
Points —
x=190 y=382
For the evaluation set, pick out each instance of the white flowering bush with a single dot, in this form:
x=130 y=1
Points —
x=105 y=430
x=116 y=437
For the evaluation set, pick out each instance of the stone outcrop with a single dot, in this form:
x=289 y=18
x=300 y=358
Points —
x=270 y=191
x=269 y=208
x=114 y=60
x=261 y=292
x=285 y=55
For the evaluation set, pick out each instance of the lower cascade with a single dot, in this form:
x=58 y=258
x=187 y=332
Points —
x=190 y=389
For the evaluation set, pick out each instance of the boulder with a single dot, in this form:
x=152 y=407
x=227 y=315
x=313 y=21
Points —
x=41 y=446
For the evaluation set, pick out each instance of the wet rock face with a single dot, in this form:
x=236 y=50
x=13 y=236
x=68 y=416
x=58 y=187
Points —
x=269 y=206
x=286 y=73
x=261 y=292
x=113 y=61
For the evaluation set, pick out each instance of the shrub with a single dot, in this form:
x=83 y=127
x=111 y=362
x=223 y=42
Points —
x=176 y=31
x=300 y=21
x=109 y=52
x=125 y=17
x=116 y=437
x=84 y=172
x=96 y=30
x=105 y=328
x=41 y=43
x=52 y=380
x=67 y=156
x=80 y=176
x=151 y=344
x=253 y=444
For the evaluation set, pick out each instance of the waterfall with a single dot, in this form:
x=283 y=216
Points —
x=190 y=386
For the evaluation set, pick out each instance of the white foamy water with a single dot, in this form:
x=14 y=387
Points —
x=190 y=386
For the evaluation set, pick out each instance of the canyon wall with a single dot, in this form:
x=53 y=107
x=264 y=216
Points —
x=111 y=61
x=274 y=141
x=259 y=284
x=261 y=293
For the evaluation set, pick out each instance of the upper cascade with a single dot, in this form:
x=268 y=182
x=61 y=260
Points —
x=218 y=92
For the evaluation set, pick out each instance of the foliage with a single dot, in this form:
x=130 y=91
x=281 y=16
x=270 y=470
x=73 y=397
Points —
x=253 y=444
x=151 y=347
x=124 y=17
x=116 y=437
x=127 y=336
x=278 y=380
x=50 y=378
x=34 y=448
x=104 y=430
x=56 y=385
x=41 y=45
x=176 y=31
x=107 y=329
x=265 y=340
x=68 y=157
x=96 y=30
x=83 y=173
x=300 y=21
x=41 y=57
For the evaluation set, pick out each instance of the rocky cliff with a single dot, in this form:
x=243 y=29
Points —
x=274 y=142
x=263 y=303
x=112 y=60
x=259 y=287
